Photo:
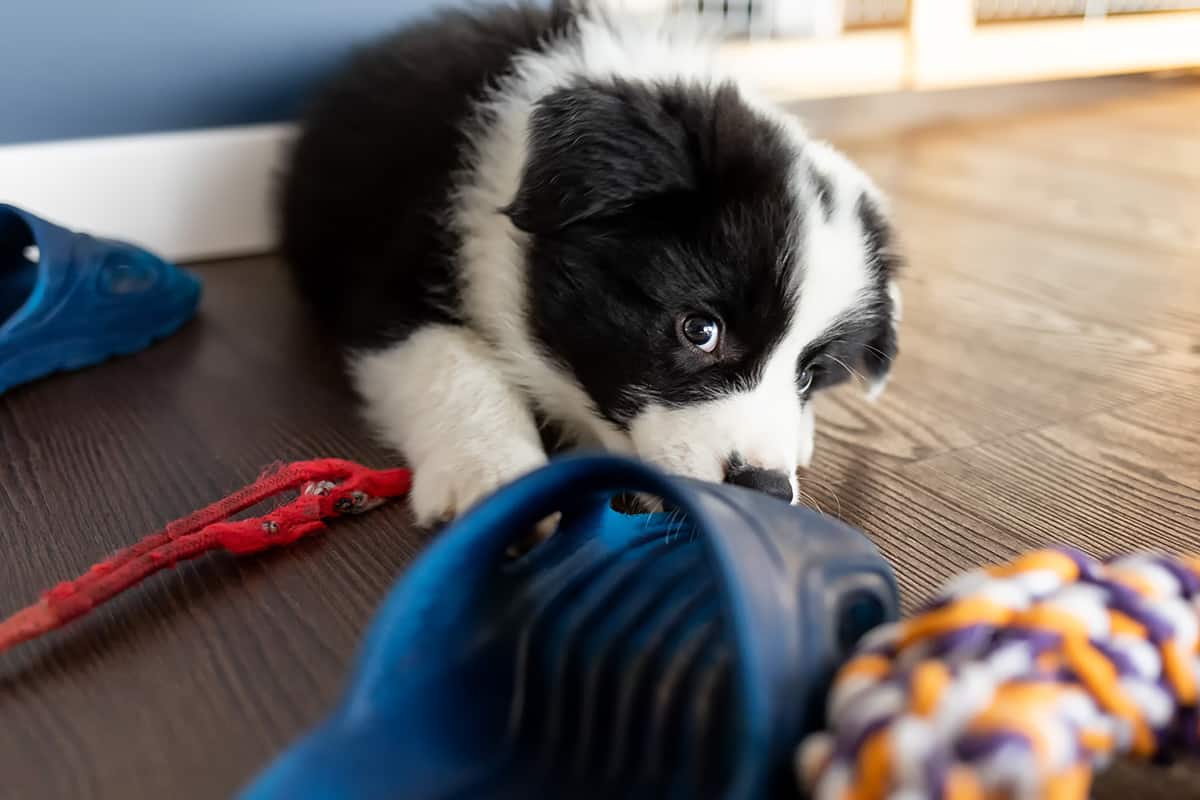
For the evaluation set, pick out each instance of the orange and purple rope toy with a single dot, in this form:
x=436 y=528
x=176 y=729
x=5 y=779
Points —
x=1018 y=682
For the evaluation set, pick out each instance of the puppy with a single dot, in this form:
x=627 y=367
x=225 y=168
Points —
x=522 y=217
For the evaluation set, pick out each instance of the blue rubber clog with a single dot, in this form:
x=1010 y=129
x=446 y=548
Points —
x=669 y=655
x=69 y=300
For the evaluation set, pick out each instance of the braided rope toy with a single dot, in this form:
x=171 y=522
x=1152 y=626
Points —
x=1018 y=682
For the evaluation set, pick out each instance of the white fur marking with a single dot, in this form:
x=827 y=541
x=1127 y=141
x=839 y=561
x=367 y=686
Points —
x=441 y=399
x=764 y=426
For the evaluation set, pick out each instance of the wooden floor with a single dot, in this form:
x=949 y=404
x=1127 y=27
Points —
x=1048 y=392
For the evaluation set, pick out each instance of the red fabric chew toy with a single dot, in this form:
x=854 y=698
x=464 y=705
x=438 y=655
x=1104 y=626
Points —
x=328 y=488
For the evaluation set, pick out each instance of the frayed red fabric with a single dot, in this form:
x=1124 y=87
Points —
x=328 y=488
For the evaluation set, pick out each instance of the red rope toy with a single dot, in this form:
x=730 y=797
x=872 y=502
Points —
x=328 y=488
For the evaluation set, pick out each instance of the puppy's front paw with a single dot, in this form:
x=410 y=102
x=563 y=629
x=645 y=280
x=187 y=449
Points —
x=450 y=483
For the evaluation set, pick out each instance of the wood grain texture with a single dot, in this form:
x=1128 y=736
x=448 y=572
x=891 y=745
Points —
x=185 y=687
x=1048 y=392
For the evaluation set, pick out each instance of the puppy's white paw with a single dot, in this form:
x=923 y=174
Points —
x=449 y=483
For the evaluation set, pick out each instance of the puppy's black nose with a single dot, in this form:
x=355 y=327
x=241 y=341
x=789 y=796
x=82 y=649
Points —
x=768 y=481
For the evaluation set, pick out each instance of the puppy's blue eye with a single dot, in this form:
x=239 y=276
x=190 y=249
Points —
x=703 y=333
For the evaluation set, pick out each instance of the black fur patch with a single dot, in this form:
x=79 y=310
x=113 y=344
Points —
x=648 y=204
x=598 y=152
x=371 y=173
x=835 y=357
x=880 y=347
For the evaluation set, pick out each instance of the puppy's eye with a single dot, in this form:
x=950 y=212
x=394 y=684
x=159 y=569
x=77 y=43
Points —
x=804 y=379
x=703 y=333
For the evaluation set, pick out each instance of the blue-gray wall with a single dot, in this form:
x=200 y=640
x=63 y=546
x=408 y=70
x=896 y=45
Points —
x=78 y=68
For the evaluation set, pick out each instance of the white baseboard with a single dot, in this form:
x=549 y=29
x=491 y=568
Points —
x=185 y=195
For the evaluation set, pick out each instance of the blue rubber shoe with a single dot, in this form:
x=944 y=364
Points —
x=671 y=655
x=69 y=300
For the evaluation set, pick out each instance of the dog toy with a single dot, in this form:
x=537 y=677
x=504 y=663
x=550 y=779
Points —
x=328 y=488
x=1018 y=682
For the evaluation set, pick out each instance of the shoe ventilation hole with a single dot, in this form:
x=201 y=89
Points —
x=543 y=530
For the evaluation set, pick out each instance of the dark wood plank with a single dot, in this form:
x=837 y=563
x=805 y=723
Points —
x=1108 y=482
x=186 y=687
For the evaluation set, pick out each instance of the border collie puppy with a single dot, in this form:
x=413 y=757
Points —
x=518 y=218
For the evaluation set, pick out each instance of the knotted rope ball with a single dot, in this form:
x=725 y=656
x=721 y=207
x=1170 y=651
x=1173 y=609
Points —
x=1018 y=682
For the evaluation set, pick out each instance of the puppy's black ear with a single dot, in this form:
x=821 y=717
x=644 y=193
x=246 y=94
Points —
x=881 y=348
x=597 y=152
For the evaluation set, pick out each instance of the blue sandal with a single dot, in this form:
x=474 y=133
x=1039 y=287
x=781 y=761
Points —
x=679 y=654
x=69 y=300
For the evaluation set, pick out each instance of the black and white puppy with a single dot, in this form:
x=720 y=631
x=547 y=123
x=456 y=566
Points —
x=521 y=217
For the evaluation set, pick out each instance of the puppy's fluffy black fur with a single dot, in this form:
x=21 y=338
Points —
x=364 y=198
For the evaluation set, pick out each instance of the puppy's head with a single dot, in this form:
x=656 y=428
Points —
x=702 y=270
